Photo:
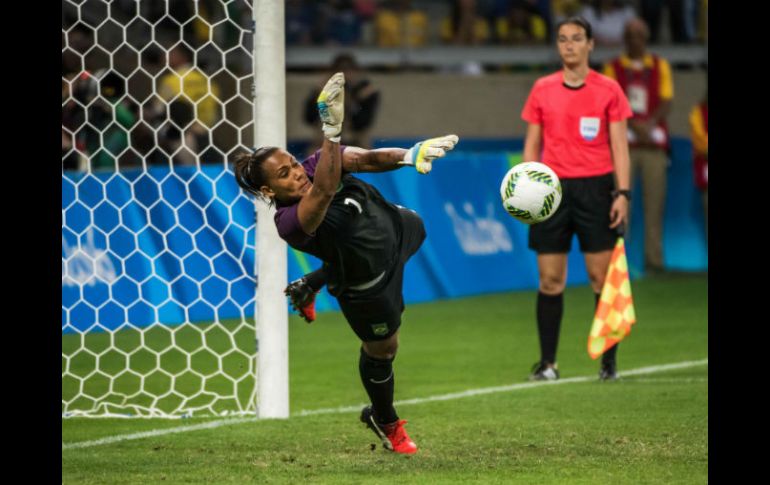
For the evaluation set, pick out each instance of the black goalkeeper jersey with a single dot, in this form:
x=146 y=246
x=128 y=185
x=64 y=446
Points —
x=358 y=238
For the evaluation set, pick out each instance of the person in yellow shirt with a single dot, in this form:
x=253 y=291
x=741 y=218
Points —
x=646 y=80
x=398 y=24
x=522 y=24
x=192 y=97
x=699 y=132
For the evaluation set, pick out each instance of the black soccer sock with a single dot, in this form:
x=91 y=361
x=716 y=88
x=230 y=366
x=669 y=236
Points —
x=377 y=377
x=608 y=357
x=317 y=279
x=549 y=312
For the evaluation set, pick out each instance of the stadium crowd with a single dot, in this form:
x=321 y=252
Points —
x=396 y=23
x=97 y=56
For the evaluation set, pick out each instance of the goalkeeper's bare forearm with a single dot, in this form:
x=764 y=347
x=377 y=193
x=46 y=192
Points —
x=356 y=159
x=420 y=156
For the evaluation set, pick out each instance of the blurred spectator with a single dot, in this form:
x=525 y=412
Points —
x=702 y=27
x=192 y=107
x=682 y=15
x=522 y=24
x=334 y=22
x=564 y=9
x=70 y=121
x=300 y=23
x=608 y=18
x=366 y=11
x=362 y=100
x=153 y=112
x=79 y=41
x=105 y=136
x=543 y=9
x=70 y=160
x=646 y=80
x=399 y=24
x=699 y=130
x=198 y=31
x=465 y=25
x=344 y=26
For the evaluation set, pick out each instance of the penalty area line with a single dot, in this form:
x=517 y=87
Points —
x=347 y=409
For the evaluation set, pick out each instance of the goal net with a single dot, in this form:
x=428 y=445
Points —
x=158 y=243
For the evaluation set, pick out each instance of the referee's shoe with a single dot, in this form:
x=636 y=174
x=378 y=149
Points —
x=544 y=371
x=608 y=371
x=393 y=435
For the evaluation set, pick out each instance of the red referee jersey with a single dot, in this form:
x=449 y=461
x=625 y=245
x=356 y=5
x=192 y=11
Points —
x=576 y=122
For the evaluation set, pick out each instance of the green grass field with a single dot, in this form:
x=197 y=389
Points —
x=644 y=429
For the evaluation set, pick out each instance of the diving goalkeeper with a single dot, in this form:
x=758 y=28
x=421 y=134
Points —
x=363 y=240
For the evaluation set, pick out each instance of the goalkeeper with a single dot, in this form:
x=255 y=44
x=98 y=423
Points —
x=363 y=240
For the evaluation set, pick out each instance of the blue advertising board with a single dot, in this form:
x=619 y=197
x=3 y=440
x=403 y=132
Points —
x=175 y=246
x=156 y=245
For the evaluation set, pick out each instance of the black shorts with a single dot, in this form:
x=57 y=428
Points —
x=375 y=313
x=585 y=210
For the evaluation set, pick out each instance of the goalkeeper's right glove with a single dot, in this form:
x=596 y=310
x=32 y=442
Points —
x=331 y=106
x=422 y=154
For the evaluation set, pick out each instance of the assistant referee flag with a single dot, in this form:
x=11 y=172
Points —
x=615 y=311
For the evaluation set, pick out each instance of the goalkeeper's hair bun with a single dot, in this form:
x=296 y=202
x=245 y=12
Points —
x=248 y=169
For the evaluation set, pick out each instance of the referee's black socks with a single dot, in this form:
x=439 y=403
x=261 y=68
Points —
x=608 y=357
x=549 y=312
x=377 y=377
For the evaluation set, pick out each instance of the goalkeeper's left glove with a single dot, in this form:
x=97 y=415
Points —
x=422 y=154
x=331 y=106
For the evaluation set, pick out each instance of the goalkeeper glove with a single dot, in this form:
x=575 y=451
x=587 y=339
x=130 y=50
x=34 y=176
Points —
x=331 y=106
x=421 y=155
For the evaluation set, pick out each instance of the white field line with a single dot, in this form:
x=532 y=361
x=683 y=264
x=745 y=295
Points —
x=356 y=408
x=663 y=380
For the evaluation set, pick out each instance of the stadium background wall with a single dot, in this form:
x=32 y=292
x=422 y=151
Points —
x=484 y=106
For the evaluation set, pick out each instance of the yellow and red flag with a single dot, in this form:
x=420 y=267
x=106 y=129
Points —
x=615 y=312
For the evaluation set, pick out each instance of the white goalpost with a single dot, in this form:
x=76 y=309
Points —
x=172 y=279
x=270 y=129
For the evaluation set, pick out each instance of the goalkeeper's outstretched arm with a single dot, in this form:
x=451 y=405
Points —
x=315 y=202
x=420 y=156
x=355 y=159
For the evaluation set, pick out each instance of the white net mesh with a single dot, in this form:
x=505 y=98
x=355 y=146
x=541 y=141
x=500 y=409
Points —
x=157 y=240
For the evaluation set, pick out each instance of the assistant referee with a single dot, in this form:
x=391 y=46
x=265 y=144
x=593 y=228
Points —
x=577 y=126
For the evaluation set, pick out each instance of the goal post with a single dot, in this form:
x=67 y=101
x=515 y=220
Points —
x=270 y=129
x=163 y=307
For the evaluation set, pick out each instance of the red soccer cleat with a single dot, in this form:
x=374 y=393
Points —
x=302 y=298
x=393 y=436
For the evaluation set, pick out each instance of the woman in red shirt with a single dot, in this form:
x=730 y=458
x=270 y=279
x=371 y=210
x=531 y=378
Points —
x=577 y=126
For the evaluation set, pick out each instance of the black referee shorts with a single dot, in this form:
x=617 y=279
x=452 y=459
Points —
x=585 y=211
x=375 y=313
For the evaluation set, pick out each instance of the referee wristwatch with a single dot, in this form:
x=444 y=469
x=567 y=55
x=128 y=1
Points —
x=624 y=192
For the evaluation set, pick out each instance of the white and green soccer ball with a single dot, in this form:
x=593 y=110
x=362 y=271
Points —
x=531 y=192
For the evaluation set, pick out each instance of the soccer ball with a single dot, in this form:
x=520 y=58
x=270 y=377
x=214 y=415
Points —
x=531 y=192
